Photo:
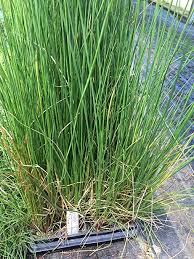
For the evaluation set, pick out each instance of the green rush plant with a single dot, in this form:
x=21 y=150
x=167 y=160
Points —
x=89 y=123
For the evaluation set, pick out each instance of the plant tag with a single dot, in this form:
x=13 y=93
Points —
x=72 y=220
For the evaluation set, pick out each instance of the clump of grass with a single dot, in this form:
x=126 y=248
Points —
x=14 y=217
x=89 y=123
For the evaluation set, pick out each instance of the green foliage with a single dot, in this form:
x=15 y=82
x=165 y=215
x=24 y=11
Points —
x=87 y=122
x=14 y=219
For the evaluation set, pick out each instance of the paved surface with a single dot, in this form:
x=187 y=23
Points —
x=117 y=250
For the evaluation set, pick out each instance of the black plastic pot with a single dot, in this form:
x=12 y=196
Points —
x=42 y=246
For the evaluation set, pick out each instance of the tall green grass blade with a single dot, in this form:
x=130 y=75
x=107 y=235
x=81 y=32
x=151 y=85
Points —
x=89 y=122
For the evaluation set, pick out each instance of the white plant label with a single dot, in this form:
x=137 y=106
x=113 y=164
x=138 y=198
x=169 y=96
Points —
x=72 y=220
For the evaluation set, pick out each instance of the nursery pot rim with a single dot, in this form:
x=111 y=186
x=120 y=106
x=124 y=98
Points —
x=80 y=240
